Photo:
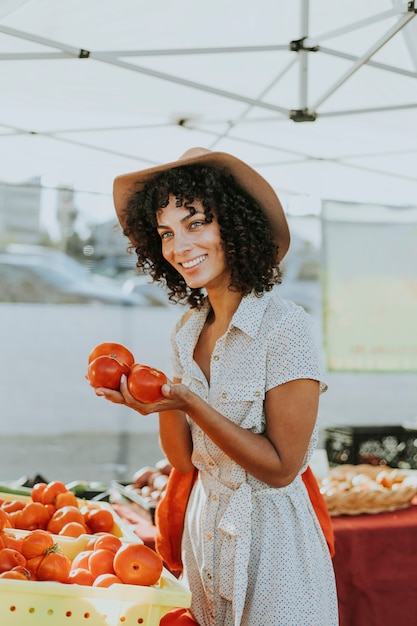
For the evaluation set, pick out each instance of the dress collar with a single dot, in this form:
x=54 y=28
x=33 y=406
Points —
x=249 y=314
x=247 y=317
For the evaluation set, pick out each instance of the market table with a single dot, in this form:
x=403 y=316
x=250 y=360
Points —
x=375 y=565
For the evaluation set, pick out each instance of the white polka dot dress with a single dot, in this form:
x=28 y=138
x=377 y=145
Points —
x=253 y=555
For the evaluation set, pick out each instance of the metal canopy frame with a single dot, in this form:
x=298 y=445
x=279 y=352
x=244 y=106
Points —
x=302 y=46
x=304 y=109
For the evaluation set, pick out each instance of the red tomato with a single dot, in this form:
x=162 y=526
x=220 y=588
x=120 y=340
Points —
x=10 y=558
x=80 y=576
x=34 y=515
x=12 y=506
x=68 y=498
x=4 y=520
x=101 y=562
x=99 y=520
x=33 y=564
x=36 y=543
x=63 y=516
x=107 y=541
x=73 y=529
x=136 y=564
x=51 y=491
x=106 y=371
x=105 y=580
x=11 y=541
x=16 y=574
x=37 y=492
x=144 y=383
x=54 y=566
x=24 y=571
x=116 y=350
x=81 y=559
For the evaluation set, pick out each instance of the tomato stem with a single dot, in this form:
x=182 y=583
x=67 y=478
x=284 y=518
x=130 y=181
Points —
x=54 y=548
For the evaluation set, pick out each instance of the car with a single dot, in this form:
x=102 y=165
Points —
x=32 y=273
x=142 y=285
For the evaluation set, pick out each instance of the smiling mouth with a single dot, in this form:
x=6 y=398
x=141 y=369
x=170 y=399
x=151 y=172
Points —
x=194 y=262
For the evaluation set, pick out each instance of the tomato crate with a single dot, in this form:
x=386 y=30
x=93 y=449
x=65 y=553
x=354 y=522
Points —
x=120 y=528
x=393 y=446
x=37 y=603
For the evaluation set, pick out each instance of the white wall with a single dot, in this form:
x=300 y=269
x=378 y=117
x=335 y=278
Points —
x=44 y=351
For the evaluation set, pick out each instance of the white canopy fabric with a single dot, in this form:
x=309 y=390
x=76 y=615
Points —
x=319 y=96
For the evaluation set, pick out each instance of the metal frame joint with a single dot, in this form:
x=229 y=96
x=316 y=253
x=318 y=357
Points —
x=298 y=44
x=302 y=115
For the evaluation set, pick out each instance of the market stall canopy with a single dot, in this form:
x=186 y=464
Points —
x=319 y=96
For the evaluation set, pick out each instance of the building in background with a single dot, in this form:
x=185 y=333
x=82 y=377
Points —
x=20 y=212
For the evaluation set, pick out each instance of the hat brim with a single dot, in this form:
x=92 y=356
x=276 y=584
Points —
x=244 y=175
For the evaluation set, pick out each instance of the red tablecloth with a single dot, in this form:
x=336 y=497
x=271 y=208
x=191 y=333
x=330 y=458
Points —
x=376 y=568
x=375 y=565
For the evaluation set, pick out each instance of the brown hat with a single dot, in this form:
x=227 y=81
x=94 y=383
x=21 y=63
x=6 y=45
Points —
x=246 y=177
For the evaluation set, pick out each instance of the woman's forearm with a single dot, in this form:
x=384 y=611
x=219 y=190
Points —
x=276 y=456
x=175 y=439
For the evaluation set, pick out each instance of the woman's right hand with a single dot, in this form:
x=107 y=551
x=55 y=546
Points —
x=176 y=397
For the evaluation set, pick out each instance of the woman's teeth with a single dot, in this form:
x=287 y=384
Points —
x=194 y=262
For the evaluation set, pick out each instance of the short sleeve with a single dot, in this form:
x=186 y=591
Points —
x=292 y=351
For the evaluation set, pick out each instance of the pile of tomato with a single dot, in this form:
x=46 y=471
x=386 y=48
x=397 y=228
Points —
x=36 y=554
x=54 y=508
x=109 y=361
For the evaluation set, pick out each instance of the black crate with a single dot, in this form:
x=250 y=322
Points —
x=394 y=446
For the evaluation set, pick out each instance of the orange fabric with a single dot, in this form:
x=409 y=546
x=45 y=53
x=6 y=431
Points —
x=170 y=512
x=320 y=508
x=178 y=617
x=169 y=517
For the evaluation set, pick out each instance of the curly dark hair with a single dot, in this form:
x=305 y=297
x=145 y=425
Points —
x=250 y=250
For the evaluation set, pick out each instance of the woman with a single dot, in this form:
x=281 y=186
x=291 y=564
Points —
x=243 y=401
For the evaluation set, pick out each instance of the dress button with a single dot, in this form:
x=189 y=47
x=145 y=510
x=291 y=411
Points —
x=257 y=394
x=216 y=357
x=208 y=537
x=214 y=497
x=224 y=394
x=209 y=575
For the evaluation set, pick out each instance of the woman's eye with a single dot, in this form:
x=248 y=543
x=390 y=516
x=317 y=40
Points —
x=166 y=235
x=197 y=223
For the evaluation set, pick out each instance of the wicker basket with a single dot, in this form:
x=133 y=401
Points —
x=364 y=489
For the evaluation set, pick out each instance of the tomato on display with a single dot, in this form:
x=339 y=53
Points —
x=136 y=564
x=80 y=576
x=63 y=516
x=54 y=566
x=10 y=558
x=99 y=520
x=144 y=383
x=101 y=562
x=106 y=580
x=107 y=541
x=37 y=543
x=115 y=350
x=106 y=371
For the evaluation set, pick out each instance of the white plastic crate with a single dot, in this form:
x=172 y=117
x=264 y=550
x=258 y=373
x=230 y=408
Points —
x=39 y=603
